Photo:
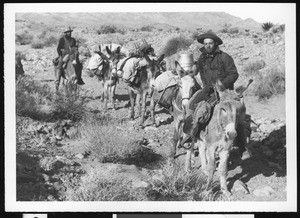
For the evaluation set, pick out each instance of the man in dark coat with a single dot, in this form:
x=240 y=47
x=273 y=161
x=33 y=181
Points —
x=213 y=64
x=65 y=43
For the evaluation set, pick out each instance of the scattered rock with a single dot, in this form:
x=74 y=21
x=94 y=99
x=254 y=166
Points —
x=151 y=128
x=263 y=192
x=79 y=156
x=240 y=186
x=72 y=132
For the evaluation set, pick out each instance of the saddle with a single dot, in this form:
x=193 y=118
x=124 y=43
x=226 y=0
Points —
x=200 y=118
x=164 y=97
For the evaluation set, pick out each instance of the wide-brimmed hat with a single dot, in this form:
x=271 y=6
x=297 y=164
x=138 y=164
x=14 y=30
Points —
x=68 y=29
x=213 y=36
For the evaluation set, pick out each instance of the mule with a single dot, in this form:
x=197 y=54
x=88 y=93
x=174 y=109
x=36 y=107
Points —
x=225 y=126
x=146 y=76
x=110 y=79
x=70 y=73
x=186 y=86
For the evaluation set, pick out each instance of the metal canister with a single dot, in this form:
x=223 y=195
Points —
x=186 y=61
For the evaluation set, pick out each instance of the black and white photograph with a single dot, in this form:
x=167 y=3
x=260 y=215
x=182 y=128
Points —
x=150 y=107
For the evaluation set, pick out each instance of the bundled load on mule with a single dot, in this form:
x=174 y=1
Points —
x=166 y=84
x=129 y=66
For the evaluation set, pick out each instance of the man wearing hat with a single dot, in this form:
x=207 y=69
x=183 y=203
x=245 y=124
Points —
x=65 y=43
x=213 y=64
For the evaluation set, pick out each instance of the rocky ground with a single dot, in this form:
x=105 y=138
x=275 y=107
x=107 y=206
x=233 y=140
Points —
x=52 y=158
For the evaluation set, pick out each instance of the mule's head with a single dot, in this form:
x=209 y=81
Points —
x=153 y=68
x=231 y=109
x=114 y=58
x=187 y=83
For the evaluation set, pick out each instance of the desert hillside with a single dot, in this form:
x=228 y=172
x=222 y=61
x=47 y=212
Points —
x=183 y=20
x=70 y=149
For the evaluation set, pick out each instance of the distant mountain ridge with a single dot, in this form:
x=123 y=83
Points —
x=183 y=20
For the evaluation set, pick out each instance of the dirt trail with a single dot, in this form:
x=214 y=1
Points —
x=264 y=174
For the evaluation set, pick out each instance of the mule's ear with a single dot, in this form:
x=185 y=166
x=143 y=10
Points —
x=179 y=69
x=220 y=87
x=147 y=58
x=108 y=50
x=240 y=90
x=194 y=69
x=118 y=50
x=160 y=58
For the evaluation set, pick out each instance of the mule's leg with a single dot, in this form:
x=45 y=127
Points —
x=176 y=137
x=112 y=95
x=152 y=111
x=224 y=154
x=106 y=95
x=211 y=164
x=57 y=73
x=188 y=159
x=241 y=141
x=143 y=113
x=131 y=110
x=102 y=90
x=202 y=154
x=152 y=108
x=138 y=104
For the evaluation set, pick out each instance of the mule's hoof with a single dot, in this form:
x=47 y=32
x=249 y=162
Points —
x=227 y=194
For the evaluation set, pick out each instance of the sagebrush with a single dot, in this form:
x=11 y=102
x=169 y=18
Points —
x=111 y=144
x=272 y=83
x=30 y=95
x=176 y=44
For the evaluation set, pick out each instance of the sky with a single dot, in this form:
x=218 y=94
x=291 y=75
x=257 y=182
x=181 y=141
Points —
x=277 y=13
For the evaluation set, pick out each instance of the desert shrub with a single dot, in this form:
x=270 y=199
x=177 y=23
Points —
x=234 y=30
x=174 y=184
x=278 y=29
x=147 y=28
x=267 y=26
x=44 y=40
x=175 y=44
x=37 y=45
x=105 y=29
x=109 y=144
x=23 y=38
x=282 y=27
x=30 y=95
x=271 y=83
x=252 y=68
x=95 y=187
x=19 y=56
x=195 y=35
x=81 y=41
x=225 y=28
x=69 y=105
